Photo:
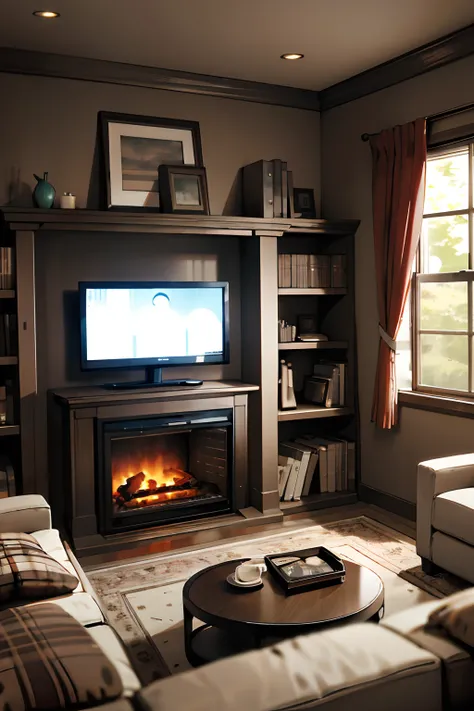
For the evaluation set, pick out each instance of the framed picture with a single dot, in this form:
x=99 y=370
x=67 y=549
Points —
x=183 y=189
x=304 y=202
x=135 y=146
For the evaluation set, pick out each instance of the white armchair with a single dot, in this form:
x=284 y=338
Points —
x=445 y=515
x=26 y=513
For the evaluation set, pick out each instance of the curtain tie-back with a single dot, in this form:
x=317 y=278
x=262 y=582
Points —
x=389 y=341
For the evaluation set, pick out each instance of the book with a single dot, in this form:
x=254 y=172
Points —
x=257 y=189
x=331 y=459
x=284 y=189
x=285 y=463
x=301 y=455
x=291 y=198
x=331 y=371
x=321 y=451
x=351 y=466
x=277 y=187
x=313 y=462
x=338 y=270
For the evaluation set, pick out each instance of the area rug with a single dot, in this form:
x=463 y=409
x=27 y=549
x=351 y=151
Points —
x=143 y=599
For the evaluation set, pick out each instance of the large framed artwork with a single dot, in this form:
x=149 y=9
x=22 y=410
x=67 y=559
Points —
x=135 y=146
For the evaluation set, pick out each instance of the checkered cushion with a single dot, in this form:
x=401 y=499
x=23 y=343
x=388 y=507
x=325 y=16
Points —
x=27 y=572
x=48 y=662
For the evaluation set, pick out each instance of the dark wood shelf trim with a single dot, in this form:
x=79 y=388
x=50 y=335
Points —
x=7 y=294
x=125 y=221
x=318 y=501
x=313 y=412
x=325 y=291
x=8 y=360
x=7 y=430
x=312 y=345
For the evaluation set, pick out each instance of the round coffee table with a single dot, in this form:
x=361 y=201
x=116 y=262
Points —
x=237 y=620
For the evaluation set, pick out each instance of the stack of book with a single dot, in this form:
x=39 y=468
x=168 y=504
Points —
x=7 y=279
x=334 y=374
x=268 y=189
x=312 y=271
x=316 y=464
x=286 y=332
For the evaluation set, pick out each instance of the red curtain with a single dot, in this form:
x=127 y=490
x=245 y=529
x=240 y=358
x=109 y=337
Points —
x=398 y=182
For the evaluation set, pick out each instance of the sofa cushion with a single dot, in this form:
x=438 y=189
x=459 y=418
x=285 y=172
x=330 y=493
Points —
x=453 y=513
x=50 y=541
x=28 y=572
x=49 y=661
x=361 y=665
x=456 y=616
x=111 y=645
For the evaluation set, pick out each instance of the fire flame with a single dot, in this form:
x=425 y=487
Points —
x=162 y=470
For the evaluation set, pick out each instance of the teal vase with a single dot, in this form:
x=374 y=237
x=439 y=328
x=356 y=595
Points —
x=44 y=193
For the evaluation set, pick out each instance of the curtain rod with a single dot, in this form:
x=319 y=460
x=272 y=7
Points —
x=434 y=117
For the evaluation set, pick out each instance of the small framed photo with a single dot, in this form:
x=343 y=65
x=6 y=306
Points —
x=304 y=202
x=133 y=149
x=183 y=190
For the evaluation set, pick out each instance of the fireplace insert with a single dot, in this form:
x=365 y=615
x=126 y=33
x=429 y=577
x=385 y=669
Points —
x=163 y=469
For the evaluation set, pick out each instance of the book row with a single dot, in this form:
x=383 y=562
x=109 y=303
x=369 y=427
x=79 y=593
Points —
x=268 y=189
x=8 y=335
x=315 y=465
x=7 y=274
x=308 y=271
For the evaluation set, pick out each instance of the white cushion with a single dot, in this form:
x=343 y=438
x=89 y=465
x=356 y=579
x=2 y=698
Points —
x=456 y=616
x=362 y=665
x=453 y=513
x=50 y=541
x=24 y=514
x=112 y=647
x=80 y=605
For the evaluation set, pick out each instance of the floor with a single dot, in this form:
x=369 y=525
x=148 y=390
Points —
x=206 y=539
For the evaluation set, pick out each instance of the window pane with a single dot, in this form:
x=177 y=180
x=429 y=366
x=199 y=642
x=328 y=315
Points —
x=443 y=306
x=447 y=183
x=443 y=361
x=403 y=355
x=445 y=244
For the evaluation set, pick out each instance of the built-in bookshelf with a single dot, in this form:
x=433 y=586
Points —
x=320 y=273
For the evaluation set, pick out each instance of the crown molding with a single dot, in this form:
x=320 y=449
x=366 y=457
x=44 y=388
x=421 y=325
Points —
x=430 y=56
x=17 y=61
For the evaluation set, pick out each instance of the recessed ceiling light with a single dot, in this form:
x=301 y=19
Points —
x=292 y=55
x=46 y=14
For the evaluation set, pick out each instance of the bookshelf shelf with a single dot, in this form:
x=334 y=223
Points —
x=7 y=430
x=314 y=345
x=318 y=501
x=7 y=294
x=312 y=412
x=8 y=360
x=326 y=291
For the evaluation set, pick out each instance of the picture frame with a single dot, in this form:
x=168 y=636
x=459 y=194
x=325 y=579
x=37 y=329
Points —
x=183 y=189
x=134 y=147
x=304 y=202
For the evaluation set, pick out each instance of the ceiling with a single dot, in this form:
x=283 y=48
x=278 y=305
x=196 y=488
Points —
x=242 y=39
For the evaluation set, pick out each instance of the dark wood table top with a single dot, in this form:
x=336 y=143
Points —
x=210 y=598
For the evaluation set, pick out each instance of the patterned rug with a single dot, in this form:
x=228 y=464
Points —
x=143 y=599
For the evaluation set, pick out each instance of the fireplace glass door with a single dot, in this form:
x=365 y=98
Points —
x=168 y=468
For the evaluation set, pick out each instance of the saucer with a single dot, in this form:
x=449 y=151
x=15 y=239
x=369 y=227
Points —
x=231 y=579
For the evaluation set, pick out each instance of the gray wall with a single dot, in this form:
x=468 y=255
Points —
x=389 y=459
x=51 y=125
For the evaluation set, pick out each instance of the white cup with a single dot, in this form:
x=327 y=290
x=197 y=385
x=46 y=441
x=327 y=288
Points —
x=250 y=572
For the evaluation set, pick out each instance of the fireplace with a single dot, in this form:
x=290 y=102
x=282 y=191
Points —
x=163 y=469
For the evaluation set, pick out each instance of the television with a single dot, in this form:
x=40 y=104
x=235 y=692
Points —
x=153 y=325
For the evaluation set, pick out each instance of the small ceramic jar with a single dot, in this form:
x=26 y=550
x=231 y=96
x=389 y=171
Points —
x=67 y=201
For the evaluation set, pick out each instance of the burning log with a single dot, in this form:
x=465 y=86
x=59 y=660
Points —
x=132 y=489
x=133 y=484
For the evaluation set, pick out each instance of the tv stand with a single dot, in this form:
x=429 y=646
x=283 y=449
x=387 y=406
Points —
x=154 y=379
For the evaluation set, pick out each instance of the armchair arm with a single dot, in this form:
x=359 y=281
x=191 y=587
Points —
x=434 y=477
x=24 y=514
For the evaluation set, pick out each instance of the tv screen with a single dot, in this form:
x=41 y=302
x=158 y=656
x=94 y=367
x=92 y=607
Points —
x=153 y=324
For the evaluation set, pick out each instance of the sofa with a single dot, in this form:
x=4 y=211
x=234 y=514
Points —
x=404 y=662
x=445 y=515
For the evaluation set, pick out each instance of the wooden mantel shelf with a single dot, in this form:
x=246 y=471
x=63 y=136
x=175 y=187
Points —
x=20 y=218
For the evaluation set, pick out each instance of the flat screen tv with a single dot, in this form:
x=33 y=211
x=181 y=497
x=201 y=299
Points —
x=153 y=325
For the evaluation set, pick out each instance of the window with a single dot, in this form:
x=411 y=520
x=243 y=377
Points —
x=435 y=351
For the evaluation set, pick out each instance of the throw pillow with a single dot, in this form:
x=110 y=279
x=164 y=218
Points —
x=28 y=572
x=456 y=616
x=50 y=662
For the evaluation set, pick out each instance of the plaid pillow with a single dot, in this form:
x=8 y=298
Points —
x=28 y=572
x=50 y=662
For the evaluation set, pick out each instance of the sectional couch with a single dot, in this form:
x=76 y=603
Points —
x=403 y=663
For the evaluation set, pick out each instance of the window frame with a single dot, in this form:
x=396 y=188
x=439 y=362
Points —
x=428 y=392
